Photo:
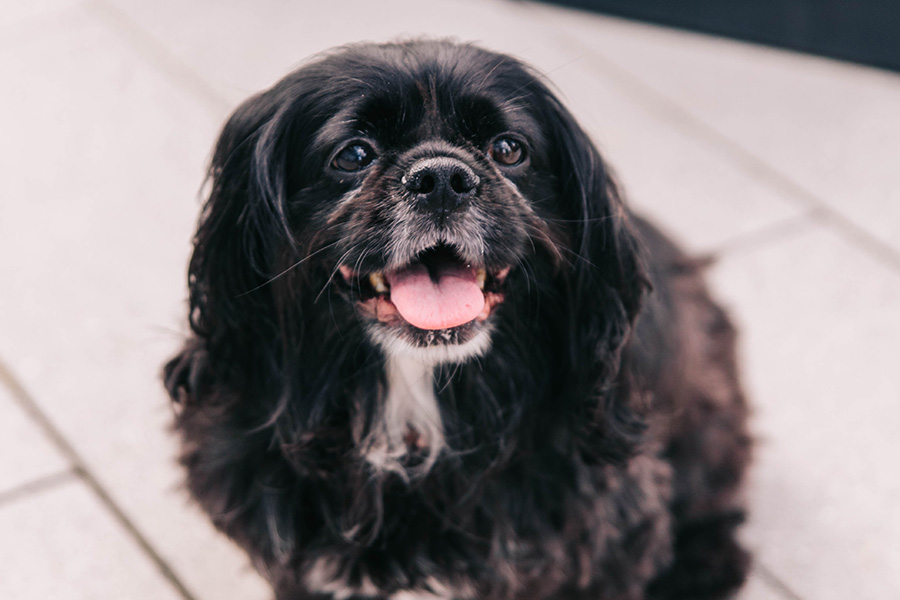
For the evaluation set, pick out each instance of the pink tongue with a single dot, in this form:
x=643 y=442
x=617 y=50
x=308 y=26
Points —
x=455 y=299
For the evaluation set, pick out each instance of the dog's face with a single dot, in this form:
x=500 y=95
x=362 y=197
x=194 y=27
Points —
x=421 y=181
x=428 y=177
x=425 y=188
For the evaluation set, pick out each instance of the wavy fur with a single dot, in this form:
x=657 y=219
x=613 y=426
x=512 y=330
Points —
x=594 y=450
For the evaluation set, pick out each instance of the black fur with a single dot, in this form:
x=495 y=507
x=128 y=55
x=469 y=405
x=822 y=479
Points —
x=594 y=451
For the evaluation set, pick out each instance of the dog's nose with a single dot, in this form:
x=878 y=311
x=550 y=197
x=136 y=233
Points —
x=440 y=184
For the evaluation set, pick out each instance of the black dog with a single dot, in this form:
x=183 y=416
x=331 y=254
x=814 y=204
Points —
x=426 y=359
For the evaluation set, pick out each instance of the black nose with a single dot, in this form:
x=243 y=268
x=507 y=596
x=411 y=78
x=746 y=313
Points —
x=441 y=184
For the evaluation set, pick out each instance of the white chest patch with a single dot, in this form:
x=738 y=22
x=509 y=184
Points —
x=323 y=575
x=410 y=419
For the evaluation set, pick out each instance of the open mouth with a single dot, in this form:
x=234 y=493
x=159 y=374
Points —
x=436 y=291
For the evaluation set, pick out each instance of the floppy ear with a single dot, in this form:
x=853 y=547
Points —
x=605 y=284
x=241 y=227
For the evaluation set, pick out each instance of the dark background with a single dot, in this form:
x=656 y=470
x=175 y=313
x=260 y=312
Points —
x=862 y=31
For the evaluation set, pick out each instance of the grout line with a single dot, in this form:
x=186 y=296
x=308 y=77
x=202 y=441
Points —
x=674 y=113
x=783 y=229
x=150 y=47
x=36 y=486
x=774 y=581
x=21 y=396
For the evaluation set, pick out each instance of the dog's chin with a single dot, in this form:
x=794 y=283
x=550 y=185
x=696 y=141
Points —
x=434 y=347
x=435 y=308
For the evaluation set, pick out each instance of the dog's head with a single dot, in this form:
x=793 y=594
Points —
x=425 y=164
x=419 y=192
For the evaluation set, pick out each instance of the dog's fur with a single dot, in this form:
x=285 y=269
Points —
x=585 y=440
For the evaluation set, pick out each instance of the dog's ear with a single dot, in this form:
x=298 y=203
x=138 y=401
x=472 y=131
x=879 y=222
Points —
x=242 y=226
x=604 y=282
x=606 y=278
x=243 y=219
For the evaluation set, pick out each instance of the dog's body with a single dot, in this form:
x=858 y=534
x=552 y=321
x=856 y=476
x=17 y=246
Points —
x=424 y=361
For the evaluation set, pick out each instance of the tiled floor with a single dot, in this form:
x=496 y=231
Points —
x=786 y=167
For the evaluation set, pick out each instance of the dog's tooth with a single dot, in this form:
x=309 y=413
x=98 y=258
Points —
x=480 y=277
x=378 y=282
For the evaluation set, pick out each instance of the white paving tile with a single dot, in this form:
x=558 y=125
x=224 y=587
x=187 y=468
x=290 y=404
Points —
x=19 y=13
x=821 y=339
x=832 y=127
x=102 y=160
x=61 y=543
x=26 y=455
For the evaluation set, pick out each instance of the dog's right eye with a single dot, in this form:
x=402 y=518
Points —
x=355 y=157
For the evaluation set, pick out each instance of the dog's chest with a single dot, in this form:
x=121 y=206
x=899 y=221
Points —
x=323 y=577
x=410 y=417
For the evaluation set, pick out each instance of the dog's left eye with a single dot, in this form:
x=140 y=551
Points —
x=507 y=151
x=355 y=157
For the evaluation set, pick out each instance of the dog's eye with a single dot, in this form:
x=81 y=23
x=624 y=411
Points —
x=507 y=151
x=355 y=157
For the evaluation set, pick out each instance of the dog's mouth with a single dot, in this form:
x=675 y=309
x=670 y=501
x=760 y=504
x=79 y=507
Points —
x=436 y=291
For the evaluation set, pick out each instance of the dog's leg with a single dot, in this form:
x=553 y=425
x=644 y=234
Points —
x=709 y=564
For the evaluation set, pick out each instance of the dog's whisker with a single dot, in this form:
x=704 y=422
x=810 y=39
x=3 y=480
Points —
x=580 y=221
x=328 y=283
x=289 y=269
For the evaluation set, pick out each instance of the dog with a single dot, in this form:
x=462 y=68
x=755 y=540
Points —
x=433 y=355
